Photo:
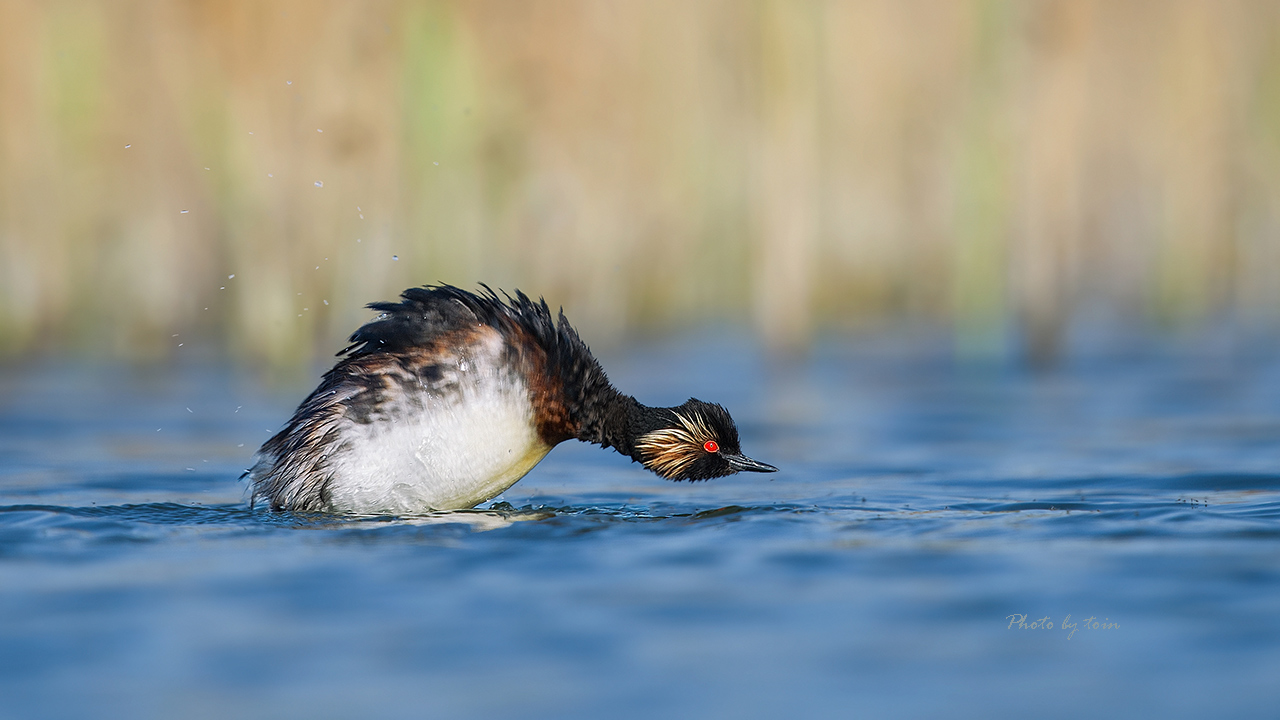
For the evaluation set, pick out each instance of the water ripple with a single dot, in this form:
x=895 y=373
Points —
x=917 y=508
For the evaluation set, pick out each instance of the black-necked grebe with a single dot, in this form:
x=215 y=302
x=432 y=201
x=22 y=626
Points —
x=448 y=397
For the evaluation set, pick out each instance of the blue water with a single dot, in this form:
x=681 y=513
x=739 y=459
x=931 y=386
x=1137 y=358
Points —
x=920 y=504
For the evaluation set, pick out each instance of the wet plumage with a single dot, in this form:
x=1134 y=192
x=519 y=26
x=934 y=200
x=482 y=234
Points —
x=449 y=397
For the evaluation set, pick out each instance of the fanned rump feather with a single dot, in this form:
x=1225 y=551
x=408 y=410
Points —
x=670 y=451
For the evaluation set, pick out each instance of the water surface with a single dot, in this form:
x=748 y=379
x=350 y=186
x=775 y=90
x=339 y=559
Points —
x=920 y=506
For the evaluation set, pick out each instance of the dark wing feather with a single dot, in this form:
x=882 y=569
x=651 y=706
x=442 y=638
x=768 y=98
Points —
x=423 y=315
x=572 y=374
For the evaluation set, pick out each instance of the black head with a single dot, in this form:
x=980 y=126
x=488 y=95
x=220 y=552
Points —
x=698 y=441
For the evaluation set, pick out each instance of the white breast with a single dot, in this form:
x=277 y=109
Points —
x=439 y=451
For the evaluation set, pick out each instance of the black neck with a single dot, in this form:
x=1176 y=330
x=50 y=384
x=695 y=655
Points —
x=597 y=412
x=618 y=421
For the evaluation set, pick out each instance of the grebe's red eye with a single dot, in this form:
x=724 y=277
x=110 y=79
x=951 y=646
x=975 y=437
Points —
x=710 y=446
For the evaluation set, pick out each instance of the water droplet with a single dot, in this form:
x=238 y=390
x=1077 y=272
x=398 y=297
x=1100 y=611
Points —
x=357 y=239
x=179 y=344
x=250 y=132
x=188 y=409
x=270 y=175
x=395 y=257
x=362 y=217
x=231 y=276
x=319 y=130
x=288 y=82
x=435 y=163
x=126 y=147
x=326 y=302
x=224 y=287
x=358 y=209
x=317 y=267
x=184 y=212
x=319 y=183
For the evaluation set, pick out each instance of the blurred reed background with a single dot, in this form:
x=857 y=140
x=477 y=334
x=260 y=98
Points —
x=998 y=166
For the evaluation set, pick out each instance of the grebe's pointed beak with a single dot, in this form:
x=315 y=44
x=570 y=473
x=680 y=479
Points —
x=742 y=463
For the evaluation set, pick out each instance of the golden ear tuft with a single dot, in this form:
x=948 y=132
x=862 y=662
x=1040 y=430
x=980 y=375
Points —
x=669 y=451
